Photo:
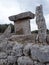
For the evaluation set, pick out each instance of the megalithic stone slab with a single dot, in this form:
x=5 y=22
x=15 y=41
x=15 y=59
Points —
x=40 y=21
x=22 y=22
x=25 y=15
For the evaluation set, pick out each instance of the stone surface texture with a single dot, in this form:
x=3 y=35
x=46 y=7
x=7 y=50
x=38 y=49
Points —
x=14 y=53
x=40 y=21
x=24 y=38
x=24 y=61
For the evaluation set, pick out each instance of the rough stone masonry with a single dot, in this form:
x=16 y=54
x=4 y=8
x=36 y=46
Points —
x=22 y=22
x=40 y=21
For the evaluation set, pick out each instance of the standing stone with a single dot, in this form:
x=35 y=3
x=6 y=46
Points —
x=40 y=21
x=22 y=22
x=7 y=31
x=6 y=34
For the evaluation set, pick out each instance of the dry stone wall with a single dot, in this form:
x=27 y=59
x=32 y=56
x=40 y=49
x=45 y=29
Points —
x=14 y=53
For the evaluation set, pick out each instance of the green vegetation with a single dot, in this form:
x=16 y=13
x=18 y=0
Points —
x=36 y=31
x=4 y=26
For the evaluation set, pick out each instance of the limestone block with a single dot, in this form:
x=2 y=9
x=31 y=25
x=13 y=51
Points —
x=3 y=61
x=11 y=60
x=24 y=15
x=40 y=53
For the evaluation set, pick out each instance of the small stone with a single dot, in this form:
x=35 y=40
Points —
x=11 y=59
x=3 y=55
x=3 y=61
x=24 y=60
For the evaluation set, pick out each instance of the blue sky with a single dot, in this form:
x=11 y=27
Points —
x=14 y=7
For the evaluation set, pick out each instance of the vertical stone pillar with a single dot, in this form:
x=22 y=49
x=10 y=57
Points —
x=40 y=21
x=22 y=22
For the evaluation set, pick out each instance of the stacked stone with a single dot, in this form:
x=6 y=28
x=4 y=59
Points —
x=40 y=21
x=14 y=53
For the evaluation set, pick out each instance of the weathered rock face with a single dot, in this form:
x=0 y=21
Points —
x=40 y=53
x=11 y=60
x=40 y=21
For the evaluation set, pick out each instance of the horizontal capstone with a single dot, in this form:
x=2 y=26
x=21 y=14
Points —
x=25 y=15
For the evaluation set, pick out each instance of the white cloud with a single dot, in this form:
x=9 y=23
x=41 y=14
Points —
x=33 y=25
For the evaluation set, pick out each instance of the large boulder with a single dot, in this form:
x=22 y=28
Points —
x=24 y=60
x=40 y=53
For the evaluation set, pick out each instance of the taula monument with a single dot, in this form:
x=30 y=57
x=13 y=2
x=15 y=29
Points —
x=23 y=47
x=22 y=22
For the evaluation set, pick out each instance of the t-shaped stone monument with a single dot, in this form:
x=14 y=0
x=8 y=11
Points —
x=40 y=21
x=22 y=22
